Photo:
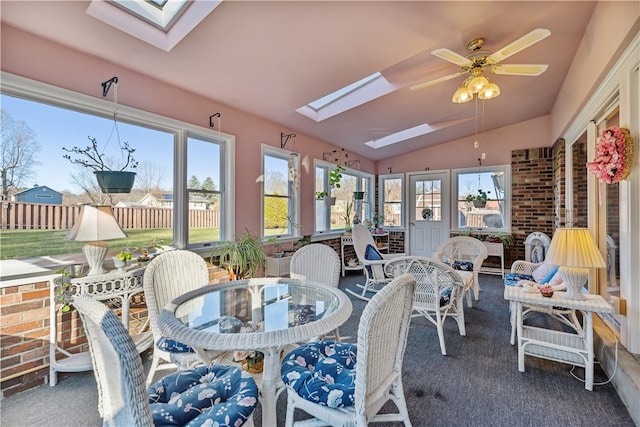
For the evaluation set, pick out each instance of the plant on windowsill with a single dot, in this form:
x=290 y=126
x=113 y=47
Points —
x=110 y=179
x=480 y=199
x=242 y=258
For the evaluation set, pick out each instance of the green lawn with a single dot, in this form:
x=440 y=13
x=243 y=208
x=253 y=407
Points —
x=33 y=243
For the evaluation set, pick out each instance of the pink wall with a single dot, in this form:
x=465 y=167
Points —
x=42 y=60
x=613 y=25
x=496 y=144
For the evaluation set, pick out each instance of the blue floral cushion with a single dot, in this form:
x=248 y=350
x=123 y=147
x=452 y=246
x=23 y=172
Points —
x=322 y=372
x=462 y=265
x=512 y=279
x=206 y=395
x=445 y=296
x=172 y=346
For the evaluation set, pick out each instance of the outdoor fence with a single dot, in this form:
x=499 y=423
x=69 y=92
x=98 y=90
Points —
x=36 y=216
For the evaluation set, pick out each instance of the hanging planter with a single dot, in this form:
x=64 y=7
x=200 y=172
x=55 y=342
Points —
x=115 y=181
x=479 y=204
x=330 y=200
x=358 y=195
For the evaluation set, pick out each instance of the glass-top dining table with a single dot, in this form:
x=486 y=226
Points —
x=262 y=314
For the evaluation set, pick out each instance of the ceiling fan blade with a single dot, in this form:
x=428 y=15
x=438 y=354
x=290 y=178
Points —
x=436 y=81
x=519 y=69
x=522 y=43
x=451 y=56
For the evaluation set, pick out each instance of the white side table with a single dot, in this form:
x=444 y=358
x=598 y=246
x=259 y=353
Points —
x=347 y=240
x=110 y=286
x=571 y=348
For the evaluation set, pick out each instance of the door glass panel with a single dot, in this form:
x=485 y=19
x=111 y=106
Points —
x=428 y=200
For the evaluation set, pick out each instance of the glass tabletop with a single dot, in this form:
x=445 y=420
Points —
x=250 y=307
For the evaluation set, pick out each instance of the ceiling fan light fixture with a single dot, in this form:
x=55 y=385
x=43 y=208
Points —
x=490 y=91
x=462 y=95
x=478 y=83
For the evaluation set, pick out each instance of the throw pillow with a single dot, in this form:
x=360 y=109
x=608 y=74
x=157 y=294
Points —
x=549 y=276
x=541 y=271
x=372 y=254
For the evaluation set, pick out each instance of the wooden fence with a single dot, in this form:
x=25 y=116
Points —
x=36 y=216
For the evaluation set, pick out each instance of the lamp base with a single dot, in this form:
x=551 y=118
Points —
x=574 y=278
x=95 y=252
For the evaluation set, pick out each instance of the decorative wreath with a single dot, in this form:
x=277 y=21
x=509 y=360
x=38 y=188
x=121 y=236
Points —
x=614 y=155
x=427 y=214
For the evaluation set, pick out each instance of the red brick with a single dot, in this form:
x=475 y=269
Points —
x=9 y=299
x=15 y=329
x=20 y=368
x=37 y=294
x=20 y=307
x=17 y=349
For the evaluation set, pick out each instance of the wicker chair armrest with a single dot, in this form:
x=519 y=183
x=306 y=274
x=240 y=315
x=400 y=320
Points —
x=524 y=267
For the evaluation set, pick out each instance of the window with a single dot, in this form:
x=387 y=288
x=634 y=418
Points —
x=280 y=171
x=482 y=198
x=341 y=215
x=391 y=200
x=153 y=212
x=204 y=167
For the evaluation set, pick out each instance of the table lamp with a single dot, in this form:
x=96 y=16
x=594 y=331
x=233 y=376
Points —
x=95 y=224
x=575 y=251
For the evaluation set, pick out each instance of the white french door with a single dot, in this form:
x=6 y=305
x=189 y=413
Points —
x=429 y=212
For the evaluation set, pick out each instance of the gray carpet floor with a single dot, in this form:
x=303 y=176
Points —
x=476 y=384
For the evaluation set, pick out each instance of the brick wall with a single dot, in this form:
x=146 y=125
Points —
x=535 y=187
x=24 y=340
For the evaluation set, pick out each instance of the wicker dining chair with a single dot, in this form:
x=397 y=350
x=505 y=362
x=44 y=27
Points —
x=439 y=291
x=168 y=276
x=318 y=263
x=179 y=399
x=377 y=358
x=465 y=254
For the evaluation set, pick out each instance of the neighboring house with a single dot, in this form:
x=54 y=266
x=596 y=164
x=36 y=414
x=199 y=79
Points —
x=165 y=200
x=38 y=194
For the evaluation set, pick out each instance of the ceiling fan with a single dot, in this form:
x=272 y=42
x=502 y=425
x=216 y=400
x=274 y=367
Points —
x=480 y=60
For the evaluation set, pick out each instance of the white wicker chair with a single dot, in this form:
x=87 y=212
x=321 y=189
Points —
x=122 y=395
x=465 y=249
x=432 y=280
x=168 y=276
x=373 y=269
x=318 y=263
x=123 y=398
x=565 y=316
x=382 y=338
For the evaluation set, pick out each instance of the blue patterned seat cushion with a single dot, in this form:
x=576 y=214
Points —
x=207 y=395
x=171 y=346
x=445 y=296
x=371 y=254
x=512 y=279
x=322 y=372
x=462 y=265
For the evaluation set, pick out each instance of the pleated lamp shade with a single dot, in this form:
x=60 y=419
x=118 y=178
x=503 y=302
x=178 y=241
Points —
x=95 y=224
x=575 y=251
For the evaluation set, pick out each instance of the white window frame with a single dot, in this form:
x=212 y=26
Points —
x=506 y=169
x=359 y=175
x=21 y=87
x=403 y=201
x=293 y=186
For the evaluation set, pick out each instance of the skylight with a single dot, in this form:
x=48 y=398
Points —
x=161 y=23
x=350 y=96
x=400 y=136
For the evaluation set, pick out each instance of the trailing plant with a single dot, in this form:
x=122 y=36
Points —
x=242 y=257
x=482 y=196
x=63 y=290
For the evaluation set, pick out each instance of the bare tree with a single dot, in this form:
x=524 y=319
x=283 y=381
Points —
x=18 y=150
x=148 y=177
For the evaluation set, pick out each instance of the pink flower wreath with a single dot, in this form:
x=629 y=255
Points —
x=614 y=155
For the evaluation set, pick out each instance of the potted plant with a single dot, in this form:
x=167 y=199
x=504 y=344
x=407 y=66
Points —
x=480 y=200
x=242 y=257
x=276 y=247
x=120 y=260
x=110 y=179
x=145 y=252
x=347 y=217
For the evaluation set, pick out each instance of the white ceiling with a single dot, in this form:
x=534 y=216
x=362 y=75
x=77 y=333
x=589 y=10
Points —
x=269 y=58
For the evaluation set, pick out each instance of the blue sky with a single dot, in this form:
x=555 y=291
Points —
x=55 y=128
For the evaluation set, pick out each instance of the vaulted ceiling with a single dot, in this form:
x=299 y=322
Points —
x=270 y=58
